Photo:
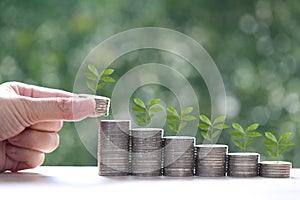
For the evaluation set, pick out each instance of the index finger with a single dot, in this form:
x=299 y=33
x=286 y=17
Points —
x=37 y=91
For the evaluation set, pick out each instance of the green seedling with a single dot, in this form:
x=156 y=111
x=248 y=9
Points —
x=211 y=130
x=177 y=121
x=275 y=146
x=97 y=80
x=145 y=112
x=243 y=138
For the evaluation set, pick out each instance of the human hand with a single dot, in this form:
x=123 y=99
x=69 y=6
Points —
x=30 y=117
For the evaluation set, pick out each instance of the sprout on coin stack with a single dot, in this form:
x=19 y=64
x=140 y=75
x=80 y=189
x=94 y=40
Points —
x=146 y=143
x=244 y=164
x=145 y=112
x=176 y=121
x=178 y=151
x=210 y=158
x=97 y=80
x=275 y=148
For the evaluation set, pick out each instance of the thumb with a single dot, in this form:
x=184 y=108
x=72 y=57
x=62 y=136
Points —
x=68 y=109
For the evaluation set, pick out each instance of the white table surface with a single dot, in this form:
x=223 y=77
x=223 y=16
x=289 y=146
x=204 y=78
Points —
x=84 y=183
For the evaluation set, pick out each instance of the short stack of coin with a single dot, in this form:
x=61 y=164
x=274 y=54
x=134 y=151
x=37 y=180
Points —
x=242 y=164
x=102 y=104
x=275 y=169
x=146 y=152
x=178 y=156
x=211 y=160
x=113 y=147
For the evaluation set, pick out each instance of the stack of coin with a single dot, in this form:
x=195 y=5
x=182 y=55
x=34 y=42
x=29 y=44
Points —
x=243 y=164
x=178 y=156
x=102 y=104
x=275 y=169
x=113 y=147
x=146 y=152
x=211 y=160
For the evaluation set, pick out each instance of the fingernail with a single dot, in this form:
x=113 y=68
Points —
x=83 y=107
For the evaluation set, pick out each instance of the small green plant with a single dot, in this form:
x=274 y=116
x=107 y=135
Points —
x=96 y=79
x=212 y=130
x=244 y=137
x=176 y=121
x=276 y=147
x=145 y=112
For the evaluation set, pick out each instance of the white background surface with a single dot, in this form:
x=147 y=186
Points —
x=84 y=183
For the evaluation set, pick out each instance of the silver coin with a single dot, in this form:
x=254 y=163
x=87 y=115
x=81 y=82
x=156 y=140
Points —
x=178 y=172
x=275 y=169
x=113 y=147
x=243 y=164
x=102 y=104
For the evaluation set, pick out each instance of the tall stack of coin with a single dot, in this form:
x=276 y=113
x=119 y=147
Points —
x=243 y=164
x=275 y=169
x=211 y=160
x=146 y=152
x=178 y=159
x=102 y=104
x=113 y=147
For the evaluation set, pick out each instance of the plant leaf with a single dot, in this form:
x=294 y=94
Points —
x=172 y=111
x=248 y=142
x=285 y=136
x=238 y=144
x=206 y=136
x=252 y=127
x=90 y=76
x=220 y=119
x=187 y=111
x=204 y=119
x=108 y=72
x=287 y=144
x=237 y=134
x=93 y=69
x=215 y=134
x=173 y=127
x=172 y=118
x=181 y=126
x=204 y=127
x=269 y=143
x=100 y=85
x=140 y=119
x=254 y=134
x=155 y=109
x=281 y=151
x=138 y=109
x=221 y=126
x=148 y=118
x=270 y=136
x=271 y=153
x=139 y=102
x=238 y=127
x=188 y=118
x=107 y=79
x=91 y=86
x=153 y=102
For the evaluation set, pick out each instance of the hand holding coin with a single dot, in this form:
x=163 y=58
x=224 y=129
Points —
x=30 y=117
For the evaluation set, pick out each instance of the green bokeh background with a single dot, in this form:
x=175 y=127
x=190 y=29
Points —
x=255 y=44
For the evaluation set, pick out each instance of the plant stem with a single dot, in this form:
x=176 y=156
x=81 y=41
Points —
x=277 y=153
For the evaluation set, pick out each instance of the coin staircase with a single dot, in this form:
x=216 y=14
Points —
x=123 y=151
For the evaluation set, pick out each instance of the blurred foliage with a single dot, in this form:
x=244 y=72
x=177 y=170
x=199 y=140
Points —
x=255 y=45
